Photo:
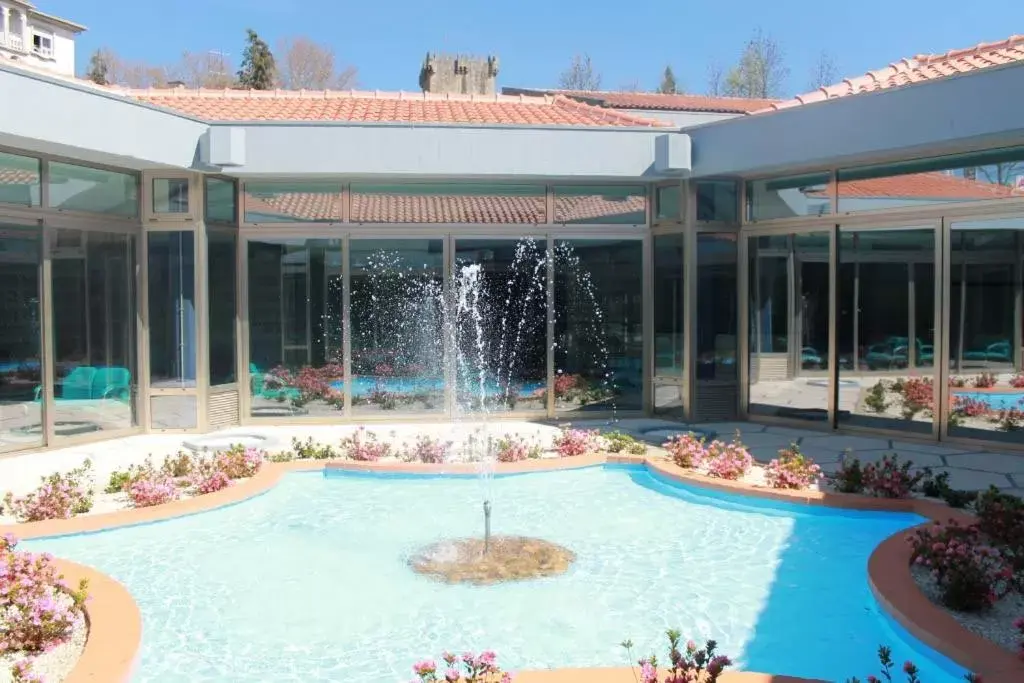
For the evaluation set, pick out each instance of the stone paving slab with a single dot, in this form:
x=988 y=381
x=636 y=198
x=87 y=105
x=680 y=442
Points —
x=973 y=481
x=1003 y=463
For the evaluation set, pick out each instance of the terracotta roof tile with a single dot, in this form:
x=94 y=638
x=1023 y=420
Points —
x=917 y=69
x=930 y=185
x=656 y=101
x=376 y=107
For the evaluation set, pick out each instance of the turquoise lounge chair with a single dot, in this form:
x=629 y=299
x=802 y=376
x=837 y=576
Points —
x=113 y=383
x=271 y=391
x=76 y=385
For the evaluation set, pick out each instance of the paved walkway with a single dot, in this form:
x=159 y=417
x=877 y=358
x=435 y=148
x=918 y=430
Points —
x=969 y=468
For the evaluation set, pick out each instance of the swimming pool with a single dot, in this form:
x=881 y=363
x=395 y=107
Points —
x=995 y=400
x=309 y=582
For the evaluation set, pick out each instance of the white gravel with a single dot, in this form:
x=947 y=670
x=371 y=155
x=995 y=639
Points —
x=995 y=624
x=54 y=665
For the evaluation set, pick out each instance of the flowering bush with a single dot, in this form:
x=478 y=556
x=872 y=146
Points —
x=687 y=450
x=151 y=487
x=1017 y=381
x=572 y=442
x=239 y=462
x=728 y=460
x=470 y=668
x=691 y=665
x=310 y=383
x=208 y=476
x=307 y=450
x=363 y=446
x=985 y=380
x=909 y=669
x=59 y=496
x=428 y=449
x=792 y=470
x=969 y=407
x=513 y=448
x=178 y=465
x=566 y=383
x=849 y=478
x=1001 y=519
x=917 y=396
x=40 y=610
x=958 y=382
x=890 y=478
x=970 y=574
x=617 y=441
x=21 y=672
x=1011 y=420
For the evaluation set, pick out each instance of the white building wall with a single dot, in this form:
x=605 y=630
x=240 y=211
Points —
x=17 y=42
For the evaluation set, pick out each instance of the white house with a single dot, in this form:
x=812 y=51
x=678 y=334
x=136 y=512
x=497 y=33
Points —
x=30 y=36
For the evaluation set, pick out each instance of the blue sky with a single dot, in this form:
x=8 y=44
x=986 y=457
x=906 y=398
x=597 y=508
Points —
x=535 y=40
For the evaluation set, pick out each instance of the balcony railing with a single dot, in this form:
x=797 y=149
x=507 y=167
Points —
x=12 y=41
x=44 y=52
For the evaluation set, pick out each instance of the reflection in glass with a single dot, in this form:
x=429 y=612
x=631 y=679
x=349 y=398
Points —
x=220 y=201
x=397 y=311
x=598 y=324
x=717 y=200
x=19 y=180
x=986 y=394
x=170 y=195
x=668 y=399
x=597 y=204
x=789 y=305
x=716 y=307
x=500 y=289
x=806 y=195
x=669 y=320
x=93 y=276
x=172 y=309
x=453 y=203
x=81 y=188
x=293 y=202
x=296 y=327
x=220 y=268
x=880 y=341
x=20 y=344
x=669 y=203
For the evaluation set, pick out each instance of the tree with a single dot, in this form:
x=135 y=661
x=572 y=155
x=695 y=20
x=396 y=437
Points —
x=306 y=65
x=668 y=82
x=258 y=70
x=99 y=67
x=761 y=69
x=824 y=72
x=716 y=78
x=631 y=86
x=202 y=70
x=580 y=75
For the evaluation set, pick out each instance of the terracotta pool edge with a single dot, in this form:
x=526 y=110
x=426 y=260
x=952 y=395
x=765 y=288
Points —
x=889 y=566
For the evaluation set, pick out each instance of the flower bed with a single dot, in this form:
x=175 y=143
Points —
x=731 y=461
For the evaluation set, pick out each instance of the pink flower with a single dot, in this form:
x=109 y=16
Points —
x=648 y=674
x=425 y=667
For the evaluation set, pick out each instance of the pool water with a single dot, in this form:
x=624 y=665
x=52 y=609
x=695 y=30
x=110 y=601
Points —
x=1001 y=400
x=362 y=386
x=309 y=582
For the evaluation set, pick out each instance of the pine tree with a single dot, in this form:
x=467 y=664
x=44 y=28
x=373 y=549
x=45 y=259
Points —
x=668 y=82
x=99 y=68
x=258 y=71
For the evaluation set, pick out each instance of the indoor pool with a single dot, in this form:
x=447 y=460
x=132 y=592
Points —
x=309 y=581
x=996 y=400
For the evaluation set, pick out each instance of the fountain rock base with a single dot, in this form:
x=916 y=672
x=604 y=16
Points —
x=509 y=558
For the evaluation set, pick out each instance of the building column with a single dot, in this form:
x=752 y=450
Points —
x=5 y=15
x=26 y=39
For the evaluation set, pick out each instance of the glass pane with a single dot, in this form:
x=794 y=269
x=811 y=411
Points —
x=220 y=200
x=668 y=201
x=93 y=277
x=789 y=305
x=170 y=195
x=986 y=399
x=174 y=412
x=983 y=176
x=717 y=201
x=172 y=311
x=19 y=180
x=668 y=399
x=880 y=382
x=617 y=204
x=296 y=327
x=220 y=268
x=298 y=202
x=462 y=203
x=716 y=307
x=669 y=320
x=397 y=325
x=807 y=195
x=21 y=418
x=80 y=188
x=598 y=325
x=500 y=287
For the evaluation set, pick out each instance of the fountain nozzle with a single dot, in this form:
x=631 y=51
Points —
x=487 y=525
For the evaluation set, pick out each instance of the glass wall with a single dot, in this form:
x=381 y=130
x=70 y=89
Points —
x=985 y=318
x=448 y=203
x=598 y=324
x=789 y=197
x=398 y=332
x=220 y=199
x=293 y=202
x=717 y=201
x=788 y=325
x=669 y=321
x=599 y=205
x=172 y=309
x=170 y=196
x=668 y=203
x=93 y=280
x=500 y=290
x=886 y=329
x=21 y=416
x=94 y=190
x=716 y=369
x=296 y=333
x=220 y=268
x=19 y=180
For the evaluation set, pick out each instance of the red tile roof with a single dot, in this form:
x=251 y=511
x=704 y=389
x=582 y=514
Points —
x=929 y=185
x=377 y=107
x=917 y=69
x=655 y=101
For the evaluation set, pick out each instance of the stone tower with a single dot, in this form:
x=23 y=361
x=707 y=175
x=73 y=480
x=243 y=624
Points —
x=459 y=74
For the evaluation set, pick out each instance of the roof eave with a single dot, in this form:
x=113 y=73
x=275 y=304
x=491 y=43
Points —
x=63 y=23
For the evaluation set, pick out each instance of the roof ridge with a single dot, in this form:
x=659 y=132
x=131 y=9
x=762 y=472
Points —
x=278 y=93
x=604 y=114
x=1013 y=41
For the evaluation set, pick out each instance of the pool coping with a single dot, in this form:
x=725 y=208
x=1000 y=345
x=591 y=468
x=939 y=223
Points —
x=115 y=621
